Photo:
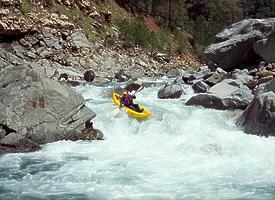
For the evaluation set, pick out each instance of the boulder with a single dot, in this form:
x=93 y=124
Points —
x=89 y=75
x=37 y=108
x=217 y=77
x=133 y=87
x=233 y=46
x=234 y=52
x=265 y=48
x=200 y=87
x=242 y=75
x=259 y=116
x=227 y=95
x=170 y=91
x=266 y=87
x=203 y=73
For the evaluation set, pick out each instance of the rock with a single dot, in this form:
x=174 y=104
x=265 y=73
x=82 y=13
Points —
x=13 y=26
x=201 y=74
x=242 y=75
x=234 y=52
x=200 y=87
x=259 y=116
x=2 y=133
x=234 y=46
x=265 y=48
x=227 y=95
x=217 y=77
x=266 y=87
x=89 y=75
x=173 y=91
x=121 y=76
x=216 y=102
x=265 y=79
x=133 y=87
x=175 y=72
x=42 y=109
x=22 y=145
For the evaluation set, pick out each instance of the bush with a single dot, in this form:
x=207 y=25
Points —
x=26 y=7
x=136 y=32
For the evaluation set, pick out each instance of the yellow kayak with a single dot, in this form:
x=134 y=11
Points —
x=144 y=114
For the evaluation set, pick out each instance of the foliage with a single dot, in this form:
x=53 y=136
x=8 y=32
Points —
x=135 y=31
x=26 y=7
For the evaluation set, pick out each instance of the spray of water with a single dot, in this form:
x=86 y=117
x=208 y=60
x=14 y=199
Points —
x=181 y=152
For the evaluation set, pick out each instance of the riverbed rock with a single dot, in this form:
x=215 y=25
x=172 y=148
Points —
x=37 y=108
x=259 y=116
x=265 y=48
x=133 y=87
x=217 y=77
x=89 y=75
x=266 y=87
x=226 y=95
x=200 y=87
x=170 y=91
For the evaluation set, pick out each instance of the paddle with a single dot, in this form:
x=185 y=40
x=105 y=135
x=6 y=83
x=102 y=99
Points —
x=116 y=110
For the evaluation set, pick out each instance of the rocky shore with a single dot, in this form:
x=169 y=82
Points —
x=242 y=76
x=41 y=57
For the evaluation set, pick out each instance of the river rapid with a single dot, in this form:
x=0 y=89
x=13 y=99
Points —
x=180 y=153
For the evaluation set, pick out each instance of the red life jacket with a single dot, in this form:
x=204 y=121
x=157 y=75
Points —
x=127 y=99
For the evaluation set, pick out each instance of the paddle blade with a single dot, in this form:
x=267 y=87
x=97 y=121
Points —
x=115 y=111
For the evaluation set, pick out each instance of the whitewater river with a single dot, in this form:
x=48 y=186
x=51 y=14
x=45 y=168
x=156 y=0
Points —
x=185 y=153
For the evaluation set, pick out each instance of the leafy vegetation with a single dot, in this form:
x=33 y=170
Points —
x=26 y=7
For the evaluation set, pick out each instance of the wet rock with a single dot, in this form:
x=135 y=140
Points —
x=175 y=72
x=38 y=108
x=172 y=91
x=89 y=75
x=22 y=145
x=133 y=87
x=200 y=87
x=227 y=95
x=2 y=133
x=259 y=116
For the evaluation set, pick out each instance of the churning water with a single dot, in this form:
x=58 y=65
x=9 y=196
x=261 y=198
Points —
x=181 y=152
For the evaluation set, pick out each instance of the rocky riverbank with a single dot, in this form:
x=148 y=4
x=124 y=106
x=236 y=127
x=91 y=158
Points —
x=247 y=87
x=43 y=53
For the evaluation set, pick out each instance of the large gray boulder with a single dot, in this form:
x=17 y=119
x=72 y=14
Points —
x=265 y=48
x=227 y=95
x=233 y=46
x=170 y=91
x=259 y=116
x=234 y=52
x=36 y=108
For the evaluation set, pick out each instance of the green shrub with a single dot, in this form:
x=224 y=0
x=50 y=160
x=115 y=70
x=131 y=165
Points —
x=26 y=7
x=136 y=32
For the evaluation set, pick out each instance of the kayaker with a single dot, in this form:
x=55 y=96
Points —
x=127 y=100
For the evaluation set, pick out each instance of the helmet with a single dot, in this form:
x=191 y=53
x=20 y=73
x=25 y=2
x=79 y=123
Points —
x=124 y=93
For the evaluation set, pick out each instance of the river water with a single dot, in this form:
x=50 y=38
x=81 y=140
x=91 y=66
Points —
x=185 y=153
